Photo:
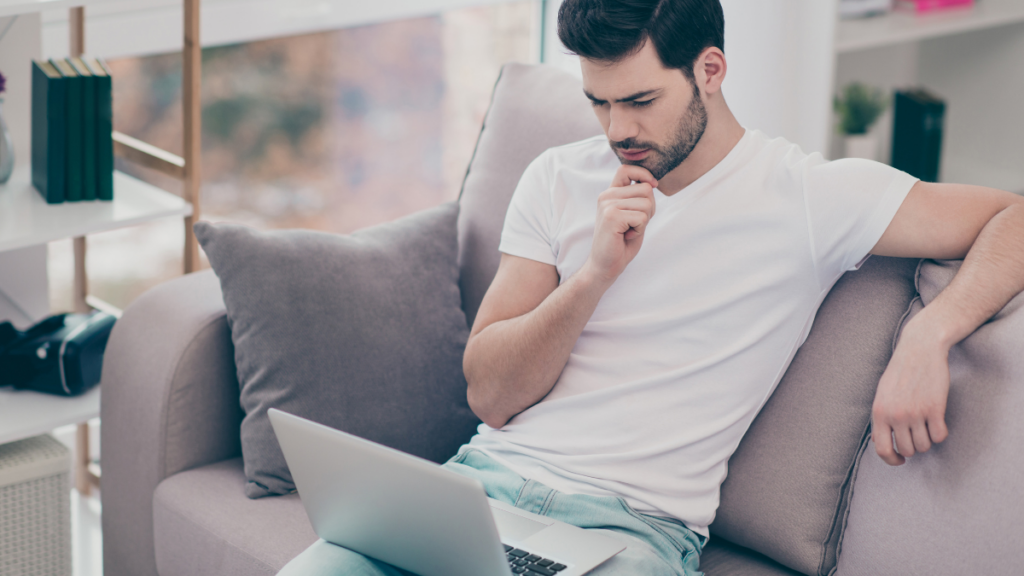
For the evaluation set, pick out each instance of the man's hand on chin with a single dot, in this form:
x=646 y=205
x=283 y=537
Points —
x=910 y=404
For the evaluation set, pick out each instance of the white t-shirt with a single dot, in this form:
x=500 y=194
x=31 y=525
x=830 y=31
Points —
x=689 y=342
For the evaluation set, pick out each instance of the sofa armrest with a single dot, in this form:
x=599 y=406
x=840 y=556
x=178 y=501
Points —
x=169 y=403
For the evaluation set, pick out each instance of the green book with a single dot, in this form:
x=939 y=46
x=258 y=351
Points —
x=75 y=160
x=48 y=131
x=89 y=127
x=104 y=128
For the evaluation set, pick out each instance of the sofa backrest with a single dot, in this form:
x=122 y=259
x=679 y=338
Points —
x=789 y=481
x=532 y=109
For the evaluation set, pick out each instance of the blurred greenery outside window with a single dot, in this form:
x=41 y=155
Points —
x=331 y=131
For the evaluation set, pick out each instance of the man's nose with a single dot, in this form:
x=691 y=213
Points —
x=621 y=125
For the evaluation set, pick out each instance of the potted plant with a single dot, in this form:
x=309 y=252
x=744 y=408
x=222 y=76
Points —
x=858 y=107
x=6 y=145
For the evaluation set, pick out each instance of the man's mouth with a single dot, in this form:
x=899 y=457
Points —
x=634 y=154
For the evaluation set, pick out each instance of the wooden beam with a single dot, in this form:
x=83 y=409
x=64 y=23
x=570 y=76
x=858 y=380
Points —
x=81 y=283
x=149 y=156
x=76 y=29
x=82 y=480
x=103 y=306
x=192 y=103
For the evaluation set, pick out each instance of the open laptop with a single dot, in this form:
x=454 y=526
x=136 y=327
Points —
x=416 y=515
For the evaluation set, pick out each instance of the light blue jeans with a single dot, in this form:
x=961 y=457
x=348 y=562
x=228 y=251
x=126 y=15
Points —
x=654 y=546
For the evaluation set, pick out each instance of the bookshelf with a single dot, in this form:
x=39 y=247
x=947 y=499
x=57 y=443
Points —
x=900 y=27
x=27 y=220
x=27 y=223
x=968 y=56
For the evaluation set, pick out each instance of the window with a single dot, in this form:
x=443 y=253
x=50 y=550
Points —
x=334 y=130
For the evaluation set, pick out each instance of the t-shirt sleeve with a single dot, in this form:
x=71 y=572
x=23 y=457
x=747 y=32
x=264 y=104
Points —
x=850 y=203
x=528 y=231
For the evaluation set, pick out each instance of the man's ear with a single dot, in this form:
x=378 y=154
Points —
x=709 y=70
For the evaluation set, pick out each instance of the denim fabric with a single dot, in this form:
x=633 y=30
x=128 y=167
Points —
x=654 y=546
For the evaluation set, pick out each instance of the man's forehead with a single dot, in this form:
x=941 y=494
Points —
x=634 y=74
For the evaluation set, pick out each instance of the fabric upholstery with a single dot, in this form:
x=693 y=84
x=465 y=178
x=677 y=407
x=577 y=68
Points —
x=722 y=558
x=363 y=333
x=204 y=525
x=788 y=486
x=956 y=508
x=170 y=402
x=533 y=108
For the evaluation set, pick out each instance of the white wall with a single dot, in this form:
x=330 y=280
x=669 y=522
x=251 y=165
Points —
x=781 y=66
x=24 y=296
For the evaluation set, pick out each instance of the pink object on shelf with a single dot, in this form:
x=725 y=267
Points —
x=923 y=6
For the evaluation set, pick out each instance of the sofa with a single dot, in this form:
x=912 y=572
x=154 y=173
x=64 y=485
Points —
x=805 y=492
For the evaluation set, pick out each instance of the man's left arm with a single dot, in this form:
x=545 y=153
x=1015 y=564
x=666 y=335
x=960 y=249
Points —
x=984 y=227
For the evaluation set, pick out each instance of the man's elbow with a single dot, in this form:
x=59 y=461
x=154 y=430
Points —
x=484 y=407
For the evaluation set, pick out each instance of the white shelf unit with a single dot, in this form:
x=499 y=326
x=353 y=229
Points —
x=27 y=220
x=27 y=223
x=899 y=27
x=970 y=57
x=17 y=7
x=28 y=413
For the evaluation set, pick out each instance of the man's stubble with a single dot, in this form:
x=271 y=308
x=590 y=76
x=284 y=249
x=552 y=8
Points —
x=665 y=159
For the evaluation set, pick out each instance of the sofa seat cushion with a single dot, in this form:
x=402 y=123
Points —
x=204 y=524
x=723 y=558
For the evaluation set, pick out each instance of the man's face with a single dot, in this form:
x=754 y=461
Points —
x=653 y=116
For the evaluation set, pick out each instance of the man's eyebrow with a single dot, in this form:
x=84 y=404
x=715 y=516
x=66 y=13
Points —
x=629 y=98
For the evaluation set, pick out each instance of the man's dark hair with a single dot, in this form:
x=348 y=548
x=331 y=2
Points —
x=610 y=30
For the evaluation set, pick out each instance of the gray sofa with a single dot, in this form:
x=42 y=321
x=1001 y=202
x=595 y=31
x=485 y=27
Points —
x=805 y=493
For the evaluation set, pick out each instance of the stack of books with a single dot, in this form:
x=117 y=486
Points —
x=918 y=117
x=72 y=128
x=925 y=6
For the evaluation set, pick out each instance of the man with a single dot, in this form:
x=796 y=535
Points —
x=656 y=282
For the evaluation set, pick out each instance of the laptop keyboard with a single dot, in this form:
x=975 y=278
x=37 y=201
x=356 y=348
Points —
x=522 y=562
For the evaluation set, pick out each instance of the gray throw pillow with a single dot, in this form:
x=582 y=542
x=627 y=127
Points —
x=958 y=508
x=364 y=333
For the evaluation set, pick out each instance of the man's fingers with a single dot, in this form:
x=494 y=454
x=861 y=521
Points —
x=628 y=173
x=922 y=441
x=635 y=204
x=631 y=219
x=882 y=436
x=904 y=441
x=638 y=190
x=937 y=430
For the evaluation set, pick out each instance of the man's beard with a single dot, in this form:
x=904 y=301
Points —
x=689 y=132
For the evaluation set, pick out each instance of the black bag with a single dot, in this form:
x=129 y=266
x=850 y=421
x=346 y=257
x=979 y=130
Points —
x=62 y=354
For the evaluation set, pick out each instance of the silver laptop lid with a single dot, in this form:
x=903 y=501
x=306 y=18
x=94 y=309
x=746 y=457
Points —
x=389 y=505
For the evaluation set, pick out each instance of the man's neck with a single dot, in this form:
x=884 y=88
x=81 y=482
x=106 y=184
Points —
x=721 y=135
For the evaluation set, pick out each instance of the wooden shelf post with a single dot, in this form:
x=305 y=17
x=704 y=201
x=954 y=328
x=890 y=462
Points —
x=192 y=103
x=84 y=479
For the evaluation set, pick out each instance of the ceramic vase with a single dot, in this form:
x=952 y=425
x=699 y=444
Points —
x=861 y=146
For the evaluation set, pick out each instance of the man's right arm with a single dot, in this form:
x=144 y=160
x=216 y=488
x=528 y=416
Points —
x=528 y=324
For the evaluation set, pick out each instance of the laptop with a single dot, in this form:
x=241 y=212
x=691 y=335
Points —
x=418 y=516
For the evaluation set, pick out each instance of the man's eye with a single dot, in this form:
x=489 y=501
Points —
x=597 y=103
x=642 y=103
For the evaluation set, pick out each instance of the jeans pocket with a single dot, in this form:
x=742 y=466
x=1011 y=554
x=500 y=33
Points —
x=682 y=538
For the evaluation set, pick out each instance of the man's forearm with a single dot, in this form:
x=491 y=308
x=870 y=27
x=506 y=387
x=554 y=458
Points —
x=991 y=275
x=511 y=365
